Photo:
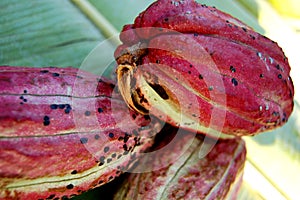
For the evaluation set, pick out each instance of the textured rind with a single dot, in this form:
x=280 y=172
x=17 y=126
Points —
x=219 y=57
x=64 y=131
x=215 y=176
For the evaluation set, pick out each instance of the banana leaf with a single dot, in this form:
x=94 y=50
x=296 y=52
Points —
x=45 y=33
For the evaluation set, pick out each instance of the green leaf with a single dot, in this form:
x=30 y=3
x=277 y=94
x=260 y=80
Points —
x=45 y=33
x=119 y=12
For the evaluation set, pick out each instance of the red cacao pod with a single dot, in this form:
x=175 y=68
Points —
x=217 y=176
x=193 y=64
x=62 y=132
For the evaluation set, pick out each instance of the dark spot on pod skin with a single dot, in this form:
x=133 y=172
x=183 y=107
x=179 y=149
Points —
x=278 y=67
x=53 y=106
x=200 y=76
x=51 y=196
x=68 y=108
x=210 y=88
x=189 y=72
x=157 y=61
x=284 y=117
x=291 y=94
x=279 y=76
x=55 y=74
x=232 y=69
x=46 y=121
x=102 y=160
x=253 y=38
x=261 y=75
x=96 y=137
x=113 y=155
x=100 y=110
x=106 y=149
x=125 y=147
x=25 y=91
x=130 y=149
x=234 y=82
x=275 y=113
x=44 y=71
x=87 y=113
x=126 y=137
x=109 y=160
x=244 y=29
x=101 y=182
x=138 y=143
x=70 y=186
x=74 y=172
x=133 y=116
x=23 y=99
x=196 y=34
x=110 y=178
x=83 y=140
x=166 y=19
x=111 y=135
x=61 y=106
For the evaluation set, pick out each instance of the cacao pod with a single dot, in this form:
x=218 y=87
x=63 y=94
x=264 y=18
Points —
x=199 y=68
x=64 y=131
x=217 y=176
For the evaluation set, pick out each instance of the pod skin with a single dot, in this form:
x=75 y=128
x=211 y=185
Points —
x=64 y=131
x=217 y=176
x=196 y=60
